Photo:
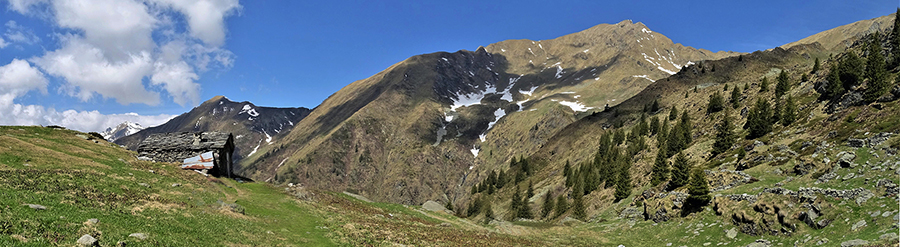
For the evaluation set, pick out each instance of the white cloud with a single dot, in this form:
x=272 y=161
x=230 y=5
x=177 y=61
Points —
x=206 y=18
x=118 y=27
x=17 y=33
x=18 y=78
x=23 y=6
x=87 y=71
x=3 y=43
x=78 y=120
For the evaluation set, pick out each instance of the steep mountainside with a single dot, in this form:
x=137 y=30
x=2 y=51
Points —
x=127 y=128
x=839 y=38
x=252 y=126
x=416 y=130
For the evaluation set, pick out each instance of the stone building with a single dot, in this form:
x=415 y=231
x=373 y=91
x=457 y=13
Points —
x=178 y=146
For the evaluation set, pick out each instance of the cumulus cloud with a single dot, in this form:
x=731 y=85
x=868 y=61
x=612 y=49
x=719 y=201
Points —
x=18 y=78
x=17 y=33
x=3 y=43
x=132 y=50
x=86 y=121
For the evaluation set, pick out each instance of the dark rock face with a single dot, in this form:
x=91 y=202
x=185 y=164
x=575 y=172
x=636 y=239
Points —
x=803 y=169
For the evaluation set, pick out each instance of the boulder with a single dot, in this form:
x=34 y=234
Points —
x=859 y=224
x=731 y=233
x=857 y=143
x=845 y=159
x=803 y=169
x=760 y=243
x=855 y=242
x=434 y=206
x=87 y=240
x=138 y=235
x=36 y=206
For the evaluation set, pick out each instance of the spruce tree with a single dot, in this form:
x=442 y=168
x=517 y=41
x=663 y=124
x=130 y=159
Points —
x=724 y=136
x=790 y=112
x=816 y=67
x=654 y=125
x=623 y=183
x=686 y=129
x=660 y=172
x=578 y=209
x=834 y=89
x=530 y=192
x=698 y=191
x=716 y=103
x=548 y=205
x=895 y=40
x=783 y=85
x=878 y=82
x=654 y=107
x=764 y=85
x=618 y=137
x=758 y=120
x=488 y=211
x=515 y=204
x=663 y=134
x=680 y=171
x=561 y=205
x=675 y=142
x=673 y=113
x=735 y=98
x=776 y=113
x=850 y=70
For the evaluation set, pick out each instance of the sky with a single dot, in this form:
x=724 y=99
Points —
x=92 y=64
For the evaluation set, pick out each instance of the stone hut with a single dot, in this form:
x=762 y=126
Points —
x=175 y=147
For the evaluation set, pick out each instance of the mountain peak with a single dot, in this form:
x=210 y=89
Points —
x=122 y=130
x=217 y=98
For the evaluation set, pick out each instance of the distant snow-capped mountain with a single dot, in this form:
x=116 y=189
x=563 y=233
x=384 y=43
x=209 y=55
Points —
x=122 y=130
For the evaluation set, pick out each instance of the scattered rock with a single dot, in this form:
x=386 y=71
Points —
x=849 y=176
x=845 y=159
x=433 y=206
x=144 y=184
x=445 y=224
x=855 y=242
x=760 y=243
x=144 y=158
x=36 y=206
x=92 y=221
x=140 y=236
x=827 y=177
x=857 y=143
x=891 y=237
x=859 y=224
x=803 y=169
x=176 y=185
x=121 y=243
x=87 y=240
x=731 y=233
x=81 y=136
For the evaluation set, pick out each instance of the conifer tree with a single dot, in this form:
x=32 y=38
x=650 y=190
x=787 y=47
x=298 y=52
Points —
x=660 y=172
x=776 y=113
x=618 y=137
x=654 y=125
x=680 y=171
x=567 y=170
x=515 y=204
x=561 y=205
x=735 y=98
x=501 y=179
x=724 y=136
x=878 y=82
x=764 y=85
x=790 y=112
x=850 y=70
x=623 y=183
x=548 y=205
x=758 y=120
x=655 y=106
x=834 y=89
x=474 y=189
x=895 y=40
x=816 y=67
x=530 y=192
x=783 y=85
x=663 y=134
x=488 y=211
x=673 y=113
x=741 y=153
x=698 y=190
x=675 y=142
x=578 y=209
x=716 y=103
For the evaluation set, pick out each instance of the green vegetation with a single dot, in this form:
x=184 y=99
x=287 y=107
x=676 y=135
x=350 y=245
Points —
x=876 y=74
x=764 y=85
x=725 y=136
x=783 y=84
x=660 y=172
x=816 y=67
x=759 y=119
x=835 y=88
x=680 y=170
x=716 y=103
x=850 y=70
x=735 y=99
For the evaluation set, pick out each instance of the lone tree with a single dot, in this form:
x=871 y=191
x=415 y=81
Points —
x=816 y=67
x=716 y=103
x=783 y=85
x=660 y=172
x=548 y=205
x=878 y=82
x=758 y=120
x=680 y=171
x=835 y=88
x=724 y=136
x=698 y=192
x=764 y=85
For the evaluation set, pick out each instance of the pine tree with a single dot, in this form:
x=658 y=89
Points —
x=680 y=170
x=530 y=192
x=618 y=137
x=654 y=125
x=776 y=113
x=804 y=78
x=783 y=85
x=515 y=204
x=724 y=136
x=655 y=107
x=716 y=103
x=698 y=191
x=790 y=112
x=663 y=134
x=735 y=98
x=660 y=172
x=488 y=211
x=561 y=205
x=686 y=129
x=741 y=153
x=816 y=67
x=878 y=82
x=548 y=205
x=675 y=142
x=673 y=113
x=623 y=183
x=850 y=70
x=834 y=89
x=578 y=209
x=501 y=179
x=895 y=40
x=764 y=85
x=758 y=120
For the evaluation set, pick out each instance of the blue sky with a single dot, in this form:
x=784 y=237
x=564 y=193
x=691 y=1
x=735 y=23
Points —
x=90 y=64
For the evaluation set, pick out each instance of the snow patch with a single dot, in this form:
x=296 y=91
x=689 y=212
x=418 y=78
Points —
x=586 y=50
x=474 y=151
x=529 y=92
x=644 y=76
x=249 y=110
x=559 y=71
x=646 y=31
x=502 y=50
x=576 y=106
x=254 y=149
x=268 y=137
x=445 y=59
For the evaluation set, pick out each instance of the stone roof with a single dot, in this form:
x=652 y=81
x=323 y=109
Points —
x=187 y=141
